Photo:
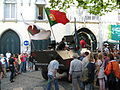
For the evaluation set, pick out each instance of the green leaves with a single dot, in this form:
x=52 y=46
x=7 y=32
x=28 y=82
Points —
x=97 y=7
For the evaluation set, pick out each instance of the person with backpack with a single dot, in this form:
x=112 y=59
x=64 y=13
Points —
x=113 y=73
x=89 y=83
x=85 y=62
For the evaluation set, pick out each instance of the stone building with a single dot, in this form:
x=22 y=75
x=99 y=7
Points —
x=16 y=15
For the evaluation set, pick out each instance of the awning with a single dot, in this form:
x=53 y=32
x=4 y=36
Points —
x=112 y=41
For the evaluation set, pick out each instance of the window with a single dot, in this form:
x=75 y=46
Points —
x=40 y=4
x=10 y=9
x=40 y=14
x=91 y=18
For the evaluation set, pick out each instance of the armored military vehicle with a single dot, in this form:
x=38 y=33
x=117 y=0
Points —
x=42 y=59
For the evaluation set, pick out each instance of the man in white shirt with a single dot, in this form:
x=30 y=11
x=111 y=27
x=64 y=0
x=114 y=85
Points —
x=106 y=49
x=8 y=54
x=76 y=72
x=52 y=73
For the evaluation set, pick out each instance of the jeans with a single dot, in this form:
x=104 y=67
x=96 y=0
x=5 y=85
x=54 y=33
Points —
x=82 y=85
x=12 y=70
x=89 y=86
x=76 y=80
x=50 y=80
x=23 y=67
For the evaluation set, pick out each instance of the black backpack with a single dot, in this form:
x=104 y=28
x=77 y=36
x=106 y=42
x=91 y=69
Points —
x=111 y=76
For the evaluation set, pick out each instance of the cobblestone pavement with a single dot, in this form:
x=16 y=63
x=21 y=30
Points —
x=30 y=81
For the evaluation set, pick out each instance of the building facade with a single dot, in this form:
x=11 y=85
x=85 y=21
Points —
x=16 y=15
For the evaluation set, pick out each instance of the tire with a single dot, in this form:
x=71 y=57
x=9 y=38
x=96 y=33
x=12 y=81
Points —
x=36 y=68
x=44 y=75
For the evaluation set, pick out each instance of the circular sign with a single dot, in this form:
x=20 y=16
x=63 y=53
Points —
x=26 y=43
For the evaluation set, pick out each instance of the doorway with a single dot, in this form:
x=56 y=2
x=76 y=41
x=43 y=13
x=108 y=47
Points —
x=9 y=41
x=88 y=36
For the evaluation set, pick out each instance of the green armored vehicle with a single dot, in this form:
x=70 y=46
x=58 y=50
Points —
x=42 y=59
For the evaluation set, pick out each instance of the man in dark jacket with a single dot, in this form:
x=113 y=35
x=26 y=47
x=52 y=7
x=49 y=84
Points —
x=12 y=68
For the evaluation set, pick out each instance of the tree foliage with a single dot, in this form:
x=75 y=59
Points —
x=96 y=7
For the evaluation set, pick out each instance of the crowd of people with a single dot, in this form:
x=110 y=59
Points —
x=15 y=63
x=86 y=70
x=104 y=64
x=90 y=69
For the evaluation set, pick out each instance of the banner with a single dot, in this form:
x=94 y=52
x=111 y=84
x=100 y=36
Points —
x=115 y=32
x=41 y=35
x=38 y=33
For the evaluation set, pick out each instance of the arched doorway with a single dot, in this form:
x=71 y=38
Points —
x=10 y=41
x=89 y=37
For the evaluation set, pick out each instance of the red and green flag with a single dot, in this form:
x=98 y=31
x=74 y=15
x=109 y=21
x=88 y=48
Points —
x=55 y=16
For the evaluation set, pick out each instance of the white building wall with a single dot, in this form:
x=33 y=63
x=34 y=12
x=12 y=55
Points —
x=28 y=9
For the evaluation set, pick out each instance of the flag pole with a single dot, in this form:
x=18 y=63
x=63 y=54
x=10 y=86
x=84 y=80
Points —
x=77 y=45
x=52 y=32
x=28 y=32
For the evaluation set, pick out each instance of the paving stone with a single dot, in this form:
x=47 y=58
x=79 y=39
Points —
x=38 y=88
x=61 y=88
x=20 y=88
x=31 y=81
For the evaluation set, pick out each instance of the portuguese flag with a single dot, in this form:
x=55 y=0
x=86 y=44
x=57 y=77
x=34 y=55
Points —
x=55 y=16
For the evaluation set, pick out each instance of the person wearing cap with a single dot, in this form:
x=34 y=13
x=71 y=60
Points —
x=75 y=72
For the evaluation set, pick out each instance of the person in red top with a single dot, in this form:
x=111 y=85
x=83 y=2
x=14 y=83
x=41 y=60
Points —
x=112 y=65
x=82 y=43
x=23 y=62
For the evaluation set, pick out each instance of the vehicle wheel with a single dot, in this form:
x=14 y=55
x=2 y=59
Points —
x=44 y=75
x=36 y=68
